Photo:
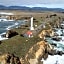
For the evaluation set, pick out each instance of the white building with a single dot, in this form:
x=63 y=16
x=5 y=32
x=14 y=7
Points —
x=31 y=24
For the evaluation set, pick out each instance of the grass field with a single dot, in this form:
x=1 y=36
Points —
x=18 y=45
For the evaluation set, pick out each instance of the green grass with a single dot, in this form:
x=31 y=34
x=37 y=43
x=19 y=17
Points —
x=18 y=45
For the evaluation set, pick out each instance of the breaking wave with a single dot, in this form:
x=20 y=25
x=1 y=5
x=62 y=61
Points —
x=4 y=26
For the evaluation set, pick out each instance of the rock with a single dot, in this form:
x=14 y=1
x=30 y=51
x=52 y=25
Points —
x=33 y=61
x=23 y=61
x=56 y=38
x=46 y=33
x=38 y=51
x=52 y=52
x=54 y=44
x=59 y=52
x=0 y=42
x=45 y=56
x=40 y=62
x=11 y=33
x=9 y=59
x=3 y=35
x=53 y=15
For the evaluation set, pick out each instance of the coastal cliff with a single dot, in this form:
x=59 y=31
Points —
x=48 y=33
x=37 y=52
x=34 y=55
x=9 y=59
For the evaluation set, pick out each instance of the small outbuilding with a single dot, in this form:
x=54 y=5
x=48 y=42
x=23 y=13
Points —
x=28 y=34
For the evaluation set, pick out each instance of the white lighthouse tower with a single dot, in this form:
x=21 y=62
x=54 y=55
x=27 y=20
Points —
x=31 y=26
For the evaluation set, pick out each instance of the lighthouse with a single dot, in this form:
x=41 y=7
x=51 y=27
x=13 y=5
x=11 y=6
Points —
x=31 y=26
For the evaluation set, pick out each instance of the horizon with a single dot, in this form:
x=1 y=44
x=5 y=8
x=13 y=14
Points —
x=47 y=5
x=34 y=3
x=42 y=5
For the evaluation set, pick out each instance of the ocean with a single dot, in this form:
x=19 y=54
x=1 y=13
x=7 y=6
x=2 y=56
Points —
x=7 y=25
x=56 y=59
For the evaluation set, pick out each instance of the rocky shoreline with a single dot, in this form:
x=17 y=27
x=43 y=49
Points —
x=37 y=52
x=34 y=55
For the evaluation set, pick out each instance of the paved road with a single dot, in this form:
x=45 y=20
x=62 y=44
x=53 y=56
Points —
x=38 y=29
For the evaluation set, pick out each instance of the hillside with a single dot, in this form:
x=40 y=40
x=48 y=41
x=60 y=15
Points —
x=2 y=7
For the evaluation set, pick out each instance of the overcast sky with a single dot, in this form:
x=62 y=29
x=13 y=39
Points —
x=41 y=3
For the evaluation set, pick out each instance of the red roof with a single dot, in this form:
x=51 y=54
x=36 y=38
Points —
x=29 y=33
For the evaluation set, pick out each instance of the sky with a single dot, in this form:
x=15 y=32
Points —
x=32 y=3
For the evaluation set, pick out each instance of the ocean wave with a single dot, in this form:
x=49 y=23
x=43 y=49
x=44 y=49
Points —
x=4 y=26
x=56 y=59
x=3 y=38
x=59 y=46
x=12 y=26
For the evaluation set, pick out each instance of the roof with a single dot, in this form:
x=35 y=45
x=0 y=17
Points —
x=29 y=32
